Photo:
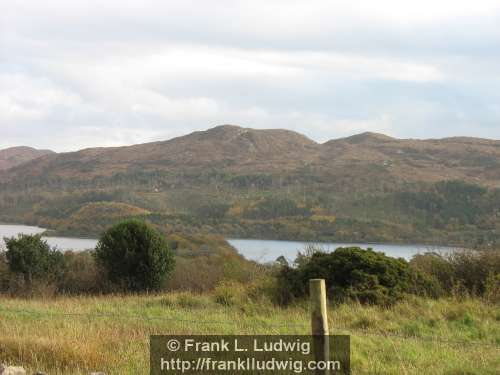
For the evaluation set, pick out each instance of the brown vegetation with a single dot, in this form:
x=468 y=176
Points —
x=243 y=150
x=14 y=156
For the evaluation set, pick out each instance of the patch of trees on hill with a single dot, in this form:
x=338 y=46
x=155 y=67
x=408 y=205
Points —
x=270 y=206
x=453 y=203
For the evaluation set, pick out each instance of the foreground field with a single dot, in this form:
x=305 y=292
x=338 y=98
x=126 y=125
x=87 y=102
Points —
x=111 y=334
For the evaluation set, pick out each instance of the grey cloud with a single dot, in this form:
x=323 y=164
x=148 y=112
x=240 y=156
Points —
x=84 y=73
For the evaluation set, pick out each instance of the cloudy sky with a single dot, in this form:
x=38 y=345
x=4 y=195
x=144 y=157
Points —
x=84 y=73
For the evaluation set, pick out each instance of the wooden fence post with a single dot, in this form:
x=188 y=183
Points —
x=319 y=321
x=319 y=317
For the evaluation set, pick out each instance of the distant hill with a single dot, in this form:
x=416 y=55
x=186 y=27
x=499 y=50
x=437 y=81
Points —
x=15 y=156
x=226 y=147
x=242 y=150
x=269 y=184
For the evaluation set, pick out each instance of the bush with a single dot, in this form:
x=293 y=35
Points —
x=464 y=272
x=34 y=259
x=204 y=261
x=82 y=274
x=350 y=273
x=135 y=256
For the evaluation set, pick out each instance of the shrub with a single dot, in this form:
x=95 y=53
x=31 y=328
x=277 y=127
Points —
x=135 y=256
x=436 y=267
x=203 y=262
x=34 y=259
x=350 y=273
x=82 y=274
x=468 y=272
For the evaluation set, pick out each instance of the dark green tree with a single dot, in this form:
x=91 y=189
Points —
x=32 y=257
x=135 y=255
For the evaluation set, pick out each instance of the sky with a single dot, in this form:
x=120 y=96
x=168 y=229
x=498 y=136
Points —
x=86 y=73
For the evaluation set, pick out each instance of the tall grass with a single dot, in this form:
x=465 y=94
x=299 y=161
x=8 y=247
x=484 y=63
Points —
x=416 y=336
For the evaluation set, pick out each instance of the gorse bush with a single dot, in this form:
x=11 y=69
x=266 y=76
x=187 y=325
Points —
x=135 y=255
x=351 y=273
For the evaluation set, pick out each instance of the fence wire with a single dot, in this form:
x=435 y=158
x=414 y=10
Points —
x=337 y=329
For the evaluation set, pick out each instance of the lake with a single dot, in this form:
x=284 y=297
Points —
x=268 y=250
x=62 y=243
x=259 y=250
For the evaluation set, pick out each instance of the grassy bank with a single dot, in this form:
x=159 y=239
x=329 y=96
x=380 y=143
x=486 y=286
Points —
x=79 y=334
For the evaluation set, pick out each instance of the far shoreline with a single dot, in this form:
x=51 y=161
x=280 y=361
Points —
x=52 y=233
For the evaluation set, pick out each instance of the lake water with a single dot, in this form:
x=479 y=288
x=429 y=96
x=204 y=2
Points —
x=62 y=243
x=268 y=250
x=259 y=250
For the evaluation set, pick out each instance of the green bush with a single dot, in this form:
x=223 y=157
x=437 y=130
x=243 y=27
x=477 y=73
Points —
x=350 y=273
x=34 y=259
x=135 y=256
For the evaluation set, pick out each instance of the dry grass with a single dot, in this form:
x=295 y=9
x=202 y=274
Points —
x=47 y=336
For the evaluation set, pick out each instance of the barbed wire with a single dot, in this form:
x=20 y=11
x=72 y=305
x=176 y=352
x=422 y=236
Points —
x=350 y=330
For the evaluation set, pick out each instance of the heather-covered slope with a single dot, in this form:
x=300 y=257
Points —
x=11 y=157
x=240 y=150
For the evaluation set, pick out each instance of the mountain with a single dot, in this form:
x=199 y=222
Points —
x=226 y=147
x=244 y=182
x=14 y=156
x=235 y=149
x=469 y=159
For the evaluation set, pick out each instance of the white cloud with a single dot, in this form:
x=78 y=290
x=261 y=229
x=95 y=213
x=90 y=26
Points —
x=24 y=98
x=118 y=72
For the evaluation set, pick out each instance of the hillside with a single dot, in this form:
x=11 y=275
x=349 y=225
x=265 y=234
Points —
x=273 y=184
x=226 y=147
x=241 y=150
x=467 y=159
x=15 y=156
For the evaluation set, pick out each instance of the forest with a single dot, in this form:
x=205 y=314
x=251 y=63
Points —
x=293 y=206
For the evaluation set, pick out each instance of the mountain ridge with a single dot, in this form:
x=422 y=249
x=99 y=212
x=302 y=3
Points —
x=368 y=135
x=14 y=156
x=237 y=149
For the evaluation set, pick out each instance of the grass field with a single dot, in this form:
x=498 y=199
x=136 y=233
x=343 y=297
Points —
x=417 y=336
